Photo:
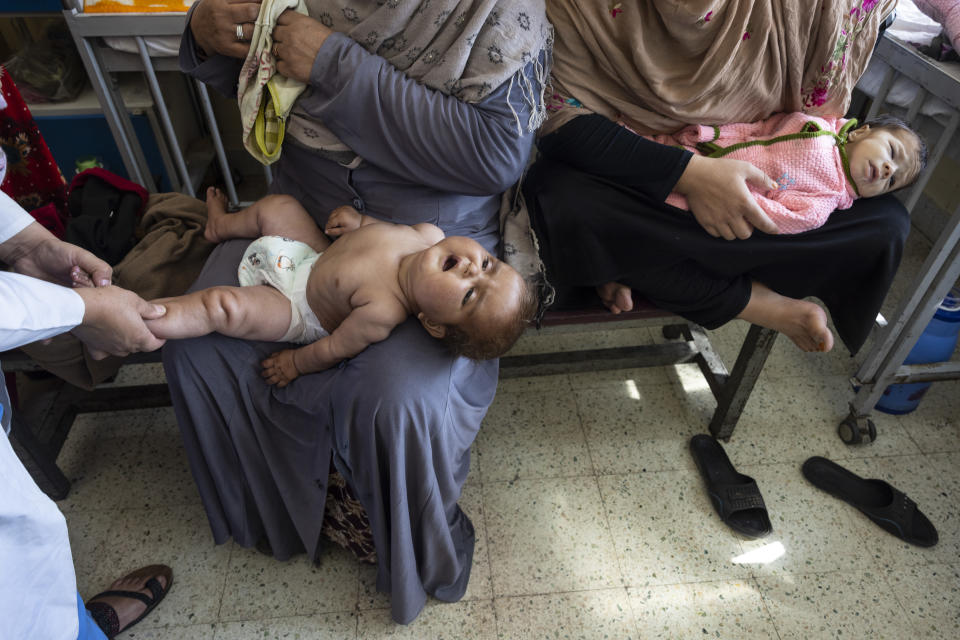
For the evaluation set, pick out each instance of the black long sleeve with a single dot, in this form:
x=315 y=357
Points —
x=595 y=145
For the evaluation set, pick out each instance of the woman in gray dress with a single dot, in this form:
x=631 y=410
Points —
x=414 y=111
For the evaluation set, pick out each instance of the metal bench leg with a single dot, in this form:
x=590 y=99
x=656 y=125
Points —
x=737 y=388
x=51 y=479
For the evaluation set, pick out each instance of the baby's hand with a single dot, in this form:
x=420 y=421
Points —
x=279 y=368
x=342 y=220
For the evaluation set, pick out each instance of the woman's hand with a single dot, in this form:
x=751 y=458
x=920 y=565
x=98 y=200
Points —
x=296 y=40
x=214 y=26
x=718 y=196
x=38 y=253
x=113 y=322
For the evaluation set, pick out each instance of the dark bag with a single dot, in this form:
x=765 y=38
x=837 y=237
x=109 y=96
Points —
x=105 y=212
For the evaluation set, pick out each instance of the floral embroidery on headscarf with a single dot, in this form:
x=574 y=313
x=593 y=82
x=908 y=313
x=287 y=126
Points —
x=616 y=8
x=746 y=36
x=556 y=102
x=705 y=19
x=819 y=93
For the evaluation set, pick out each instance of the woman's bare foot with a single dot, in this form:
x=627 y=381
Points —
x=216 y=210
x=115 y=612
x=616 y=297
x=803 y=322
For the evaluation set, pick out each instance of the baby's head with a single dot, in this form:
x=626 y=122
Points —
x=477 y=305
x=884 y=154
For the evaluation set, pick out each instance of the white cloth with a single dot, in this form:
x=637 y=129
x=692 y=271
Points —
x=32 y=309
x=285 y=265
x=13 y=219
x=912 y=26
x=35 y=310
x=38 y=587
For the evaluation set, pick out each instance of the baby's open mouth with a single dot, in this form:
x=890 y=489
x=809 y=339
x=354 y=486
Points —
x=450 y=263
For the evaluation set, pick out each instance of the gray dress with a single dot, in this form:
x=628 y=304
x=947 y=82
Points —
x=400 y=417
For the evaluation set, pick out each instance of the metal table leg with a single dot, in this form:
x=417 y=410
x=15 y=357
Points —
x=737 y=388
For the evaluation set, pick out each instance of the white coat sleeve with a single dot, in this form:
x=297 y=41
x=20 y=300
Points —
x=34 y=310
x=13 y=219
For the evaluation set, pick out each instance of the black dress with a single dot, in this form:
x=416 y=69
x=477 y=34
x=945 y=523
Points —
x=596 y=201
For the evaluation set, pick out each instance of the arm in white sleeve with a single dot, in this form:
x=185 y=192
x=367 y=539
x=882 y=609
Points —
x=13 y=219
x=35 y=310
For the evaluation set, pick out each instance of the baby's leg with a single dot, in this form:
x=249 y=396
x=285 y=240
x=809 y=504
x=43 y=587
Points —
x=803 y=322
x=256 y=313
x=274 y=215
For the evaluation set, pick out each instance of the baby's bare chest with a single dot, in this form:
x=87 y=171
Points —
x=339 y=284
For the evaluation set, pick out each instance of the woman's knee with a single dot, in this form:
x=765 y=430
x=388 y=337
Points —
x=557 y=179
x=400 y=383
x=883 y=221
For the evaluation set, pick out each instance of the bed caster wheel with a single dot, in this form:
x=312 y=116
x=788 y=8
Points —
x=672 y=331
x=856 y=430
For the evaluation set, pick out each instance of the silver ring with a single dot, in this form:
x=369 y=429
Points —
x=239 y=32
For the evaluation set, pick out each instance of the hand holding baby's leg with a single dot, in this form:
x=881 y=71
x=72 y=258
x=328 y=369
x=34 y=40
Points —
x=280 y=369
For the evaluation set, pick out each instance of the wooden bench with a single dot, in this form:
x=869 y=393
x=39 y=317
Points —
x=39 y=431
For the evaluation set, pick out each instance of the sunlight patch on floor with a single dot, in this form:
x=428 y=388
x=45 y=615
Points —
x=761 y=555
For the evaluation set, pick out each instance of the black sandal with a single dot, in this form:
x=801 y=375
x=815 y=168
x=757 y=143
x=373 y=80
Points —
x=106 y=617
x=735 y=496
x=887 y=506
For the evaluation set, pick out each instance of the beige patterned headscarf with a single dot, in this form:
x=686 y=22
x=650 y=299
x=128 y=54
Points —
x=463 y=48
x=661 y=64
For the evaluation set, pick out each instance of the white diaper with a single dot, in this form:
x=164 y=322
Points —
x=285 y=265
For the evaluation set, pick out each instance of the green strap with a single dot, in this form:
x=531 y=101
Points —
x=842 y=136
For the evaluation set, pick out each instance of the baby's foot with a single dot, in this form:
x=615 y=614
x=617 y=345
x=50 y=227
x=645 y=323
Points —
x=216 y=210
x=80 y=278
x=615 y=297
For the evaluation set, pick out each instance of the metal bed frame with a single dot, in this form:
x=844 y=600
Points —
x=38 y=432
x=883 y=365
x=101 y=61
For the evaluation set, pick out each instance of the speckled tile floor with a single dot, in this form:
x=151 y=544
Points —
x=592 y=521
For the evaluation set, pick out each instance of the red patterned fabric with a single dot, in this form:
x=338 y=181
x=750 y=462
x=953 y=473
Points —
x=33 y=178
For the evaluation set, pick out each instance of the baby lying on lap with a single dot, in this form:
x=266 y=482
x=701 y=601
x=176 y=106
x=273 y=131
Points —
x=338 y=298
x=820 y=165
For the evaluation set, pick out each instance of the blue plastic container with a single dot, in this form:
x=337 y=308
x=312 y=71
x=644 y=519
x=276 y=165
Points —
x=936 y=344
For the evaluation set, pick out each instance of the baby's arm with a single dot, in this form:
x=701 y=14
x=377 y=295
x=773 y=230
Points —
x=365 y=325
x=431 y=233
x=345 y=219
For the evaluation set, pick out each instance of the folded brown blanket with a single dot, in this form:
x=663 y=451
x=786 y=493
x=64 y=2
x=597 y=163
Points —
x=165 y=262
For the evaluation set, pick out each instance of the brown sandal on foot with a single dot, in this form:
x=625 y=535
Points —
x=106 y=616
